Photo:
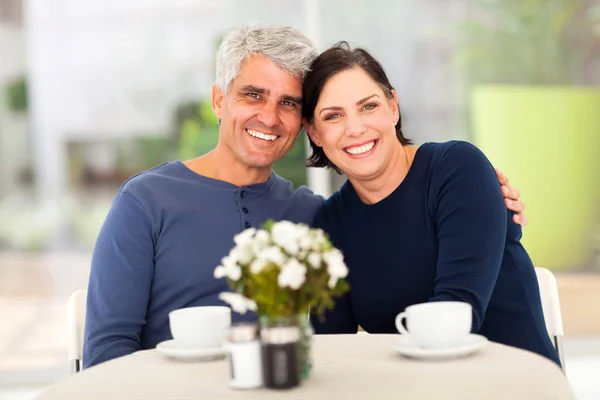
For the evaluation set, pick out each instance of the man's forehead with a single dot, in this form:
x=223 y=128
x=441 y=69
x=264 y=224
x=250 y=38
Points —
x=260 y=72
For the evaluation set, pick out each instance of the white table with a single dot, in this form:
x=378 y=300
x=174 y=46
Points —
x=345 y=367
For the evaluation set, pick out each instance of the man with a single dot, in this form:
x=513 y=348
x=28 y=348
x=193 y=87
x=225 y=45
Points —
x=169 y=227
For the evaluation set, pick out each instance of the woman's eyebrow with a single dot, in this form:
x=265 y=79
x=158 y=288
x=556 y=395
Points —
x=358 y=103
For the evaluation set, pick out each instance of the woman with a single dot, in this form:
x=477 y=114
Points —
x=467 y=250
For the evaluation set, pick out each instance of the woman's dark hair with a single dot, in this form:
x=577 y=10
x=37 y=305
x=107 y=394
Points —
x=340 y=57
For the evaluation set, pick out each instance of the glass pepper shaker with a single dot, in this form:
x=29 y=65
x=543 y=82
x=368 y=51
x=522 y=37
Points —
x=280 y=356
x=245 y=358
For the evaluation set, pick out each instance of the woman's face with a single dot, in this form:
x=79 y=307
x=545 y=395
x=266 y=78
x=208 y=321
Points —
x=354 y=124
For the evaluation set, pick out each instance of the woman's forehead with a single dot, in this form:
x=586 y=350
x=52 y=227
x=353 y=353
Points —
x=348 y=86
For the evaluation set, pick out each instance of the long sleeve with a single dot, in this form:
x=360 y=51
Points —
x=120 y=282
x=471 y=225
x=341 y=318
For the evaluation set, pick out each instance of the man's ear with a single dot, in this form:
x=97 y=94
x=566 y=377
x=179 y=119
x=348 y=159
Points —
x=311 y=131
x=217 y=101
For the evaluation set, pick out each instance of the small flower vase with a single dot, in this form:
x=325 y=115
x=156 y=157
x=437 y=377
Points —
x=302 y=321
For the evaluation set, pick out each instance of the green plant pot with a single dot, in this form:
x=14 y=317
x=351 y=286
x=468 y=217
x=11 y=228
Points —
x=546 y=139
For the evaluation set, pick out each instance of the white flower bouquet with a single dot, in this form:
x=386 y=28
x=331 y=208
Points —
x=283 y=270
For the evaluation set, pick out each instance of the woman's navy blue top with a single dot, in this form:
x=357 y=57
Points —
x=443 y=235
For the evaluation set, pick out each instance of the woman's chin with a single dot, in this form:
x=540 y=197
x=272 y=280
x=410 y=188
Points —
x=364 y=172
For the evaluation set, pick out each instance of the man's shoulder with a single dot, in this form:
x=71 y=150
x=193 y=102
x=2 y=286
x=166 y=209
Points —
x=301 y=203
x=305 y=195
x=152 y=177
x=170 y=182
x=302 y=194
x=165 y=185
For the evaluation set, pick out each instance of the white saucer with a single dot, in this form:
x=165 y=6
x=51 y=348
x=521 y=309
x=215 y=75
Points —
x=173 y=349
x=407 y=347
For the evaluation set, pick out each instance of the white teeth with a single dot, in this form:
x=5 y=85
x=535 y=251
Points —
x=361 y=149
x=261 y=135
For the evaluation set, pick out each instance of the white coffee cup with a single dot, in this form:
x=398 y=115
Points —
x=200 y=327
x=436 y=324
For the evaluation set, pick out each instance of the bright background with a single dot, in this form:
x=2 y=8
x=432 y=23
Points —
x=94 y=91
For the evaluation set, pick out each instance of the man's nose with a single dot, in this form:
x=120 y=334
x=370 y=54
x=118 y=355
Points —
x=269 y=115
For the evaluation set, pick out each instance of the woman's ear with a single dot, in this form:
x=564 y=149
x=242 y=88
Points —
x=311 y=131
x=395 y=106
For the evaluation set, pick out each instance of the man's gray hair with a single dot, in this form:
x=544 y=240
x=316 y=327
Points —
x=288 y=48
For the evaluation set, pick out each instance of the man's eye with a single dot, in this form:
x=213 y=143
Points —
x=253 y=95
x=332 y=116
x=288 y=103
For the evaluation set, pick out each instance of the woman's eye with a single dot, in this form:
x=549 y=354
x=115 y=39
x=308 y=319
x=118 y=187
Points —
x=370 y=106
x=332 y=116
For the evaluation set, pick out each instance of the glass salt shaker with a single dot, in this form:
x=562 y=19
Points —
x=280 y=356
x=245 y=358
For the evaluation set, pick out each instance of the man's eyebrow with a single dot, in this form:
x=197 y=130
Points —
x=258 y=90
x=254 y=89
x=358 y=103
x=297 y=100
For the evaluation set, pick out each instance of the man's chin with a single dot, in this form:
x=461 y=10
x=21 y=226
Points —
x=261 y=160
x=261 y=163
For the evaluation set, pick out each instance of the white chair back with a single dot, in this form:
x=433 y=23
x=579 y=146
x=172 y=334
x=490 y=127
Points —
x=76 y=324
x=551 y=306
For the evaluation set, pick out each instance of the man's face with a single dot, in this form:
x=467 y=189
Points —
x=261 y=114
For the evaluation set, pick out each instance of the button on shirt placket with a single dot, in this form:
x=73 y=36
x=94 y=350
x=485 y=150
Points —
x=244 y=209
